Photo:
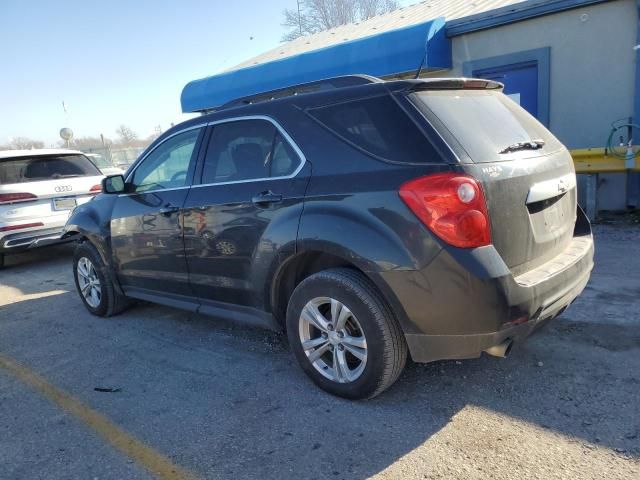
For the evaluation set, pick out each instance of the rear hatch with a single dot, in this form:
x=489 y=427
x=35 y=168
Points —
x=527 y=175
x=45 y=186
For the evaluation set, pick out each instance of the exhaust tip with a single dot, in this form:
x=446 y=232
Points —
x=501 y=350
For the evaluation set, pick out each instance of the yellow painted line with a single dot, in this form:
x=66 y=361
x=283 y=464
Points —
x=153 y=461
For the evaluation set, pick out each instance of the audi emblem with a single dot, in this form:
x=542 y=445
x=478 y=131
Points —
x=63 y=188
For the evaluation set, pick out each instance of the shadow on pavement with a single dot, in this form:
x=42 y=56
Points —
x=231 y=402
x=38 y=257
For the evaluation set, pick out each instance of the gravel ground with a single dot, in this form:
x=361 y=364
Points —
x=225 y=401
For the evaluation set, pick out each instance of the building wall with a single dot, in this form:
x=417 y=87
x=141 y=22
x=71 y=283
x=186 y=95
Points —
x=592 y=72
x=592 y=65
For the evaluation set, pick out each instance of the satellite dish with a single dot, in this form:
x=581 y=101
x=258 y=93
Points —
x=66 y=134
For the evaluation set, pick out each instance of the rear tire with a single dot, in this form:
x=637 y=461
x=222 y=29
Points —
x=359 y=353
x=1 y=260
x=94 y=283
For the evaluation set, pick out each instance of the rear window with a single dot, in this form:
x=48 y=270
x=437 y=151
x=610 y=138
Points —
x=486 y=123
x=49 y=167
x=379 y=127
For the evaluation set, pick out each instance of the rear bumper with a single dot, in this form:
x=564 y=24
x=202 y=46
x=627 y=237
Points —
x=429 y=348
x=467 y=301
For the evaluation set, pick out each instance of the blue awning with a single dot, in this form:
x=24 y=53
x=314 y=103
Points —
x=388 y=53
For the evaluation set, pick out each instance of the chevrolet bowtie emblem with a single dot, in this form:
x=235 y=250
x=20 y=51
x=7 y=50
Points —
x=562 y=186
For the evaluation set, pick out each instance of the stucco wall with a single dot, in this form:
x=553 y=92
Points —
x=592 y=65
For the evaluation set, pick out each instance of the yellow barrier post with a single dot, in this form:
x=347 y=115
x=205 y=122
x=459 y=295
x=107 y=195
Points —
x=596 y=160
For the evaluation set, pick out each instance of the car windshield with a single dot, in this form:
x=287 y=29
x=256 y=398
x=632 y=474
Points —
x=45 y=167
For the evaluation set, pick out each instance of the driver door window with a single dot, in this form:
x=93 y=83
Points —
x=168 y=165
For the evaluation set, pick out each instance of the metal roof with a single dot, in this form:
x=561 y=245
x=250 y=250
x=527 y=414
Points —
x=513 y=13
x=403 y=17
x=36 y=152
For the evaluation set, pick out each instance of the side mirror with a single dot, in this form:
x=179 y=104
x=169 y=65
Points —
x=113 y=184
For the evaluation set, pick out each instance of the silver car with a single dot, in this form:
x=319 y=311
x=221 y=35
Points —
x=104 y=165
x=38 y=191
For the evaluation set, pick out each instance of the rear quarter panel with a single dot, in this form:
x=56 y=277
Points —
x=353 y=210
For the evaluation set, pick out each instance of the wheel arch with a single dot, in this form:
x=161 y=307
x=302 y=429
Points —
x=304 y=264
x=90 y=223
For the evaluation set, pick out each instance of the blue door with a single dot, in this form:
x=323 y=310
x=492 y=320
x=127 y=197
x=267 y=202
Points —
x=520 y=83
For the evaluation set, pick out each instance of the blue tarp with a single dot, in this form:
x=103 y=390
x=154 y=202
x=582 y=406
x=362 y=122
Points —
x=387 y=53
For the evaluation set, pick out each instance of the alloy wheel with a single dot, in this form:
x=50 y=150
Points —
x=333 y=340
x=89 y=282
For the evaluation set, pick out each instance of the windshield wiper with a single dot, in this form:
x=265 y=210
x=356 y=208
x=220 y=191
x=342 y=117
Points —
x=528 y=145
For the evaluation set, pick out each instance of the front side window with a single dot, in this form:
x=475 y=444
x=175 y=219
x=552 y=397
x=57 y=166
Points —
x=167 y=166
x=247 y=150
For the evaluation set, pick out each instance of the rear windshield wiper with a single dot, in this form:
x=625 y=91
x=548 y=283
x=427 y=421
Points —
x=528 y=145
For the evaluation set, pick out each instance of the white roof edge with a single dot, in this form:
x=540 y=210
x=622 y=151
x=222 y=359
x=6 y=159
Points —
x=408 y=15
x=36 y=152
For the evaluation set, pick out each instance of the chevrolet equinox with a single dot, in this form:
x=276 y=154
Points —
x=368 y=219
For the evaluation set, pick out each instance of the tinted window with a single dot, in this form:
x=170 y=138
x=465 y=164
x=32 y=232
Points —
x=380 y=127
x=486 y=122
x=246 y=150
x=34 y=169
x=168 y=164
x=284 y=158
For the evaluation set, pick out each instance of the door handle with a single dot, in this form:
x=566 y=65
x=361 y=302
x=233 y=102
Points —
x=266 y=198
x=168 y=209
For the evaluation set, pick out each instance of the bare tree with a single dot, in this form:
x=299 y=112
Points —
x=22 y=143
x=90 y=142
x=318 y=15
x=126 y=134
x=371 y=8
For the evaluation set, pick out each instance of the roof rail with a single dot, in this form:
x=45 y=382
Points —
x=309 y=87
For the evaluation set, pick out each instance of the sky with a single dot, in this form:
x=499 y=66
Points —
x=119 y=62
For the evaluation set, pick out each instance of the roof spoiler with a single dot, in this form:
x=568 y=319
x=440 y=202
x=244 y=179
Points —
x=455 y=84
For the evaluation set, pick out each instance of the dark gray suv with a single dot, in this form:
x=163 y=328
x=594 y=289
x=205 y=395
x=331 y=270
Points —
x=366 y=218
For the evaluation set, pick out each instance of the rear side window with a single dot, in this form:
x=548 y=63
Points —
x=486 y=123
x=379 y=127
x=49 y=167
x=247 y=150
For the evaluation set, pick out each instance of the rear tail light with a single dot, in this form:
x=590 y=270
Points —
x=17 y=197
x=96 y=189
x=20 y=227
x=452 y=206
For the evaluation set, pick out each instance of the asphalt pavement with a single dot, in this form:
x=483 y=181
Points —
x=157 y=392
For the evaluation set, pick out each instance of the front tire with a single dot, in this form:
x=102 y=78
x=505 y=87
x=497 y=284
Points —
x=344 y=335
x=94 y=283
